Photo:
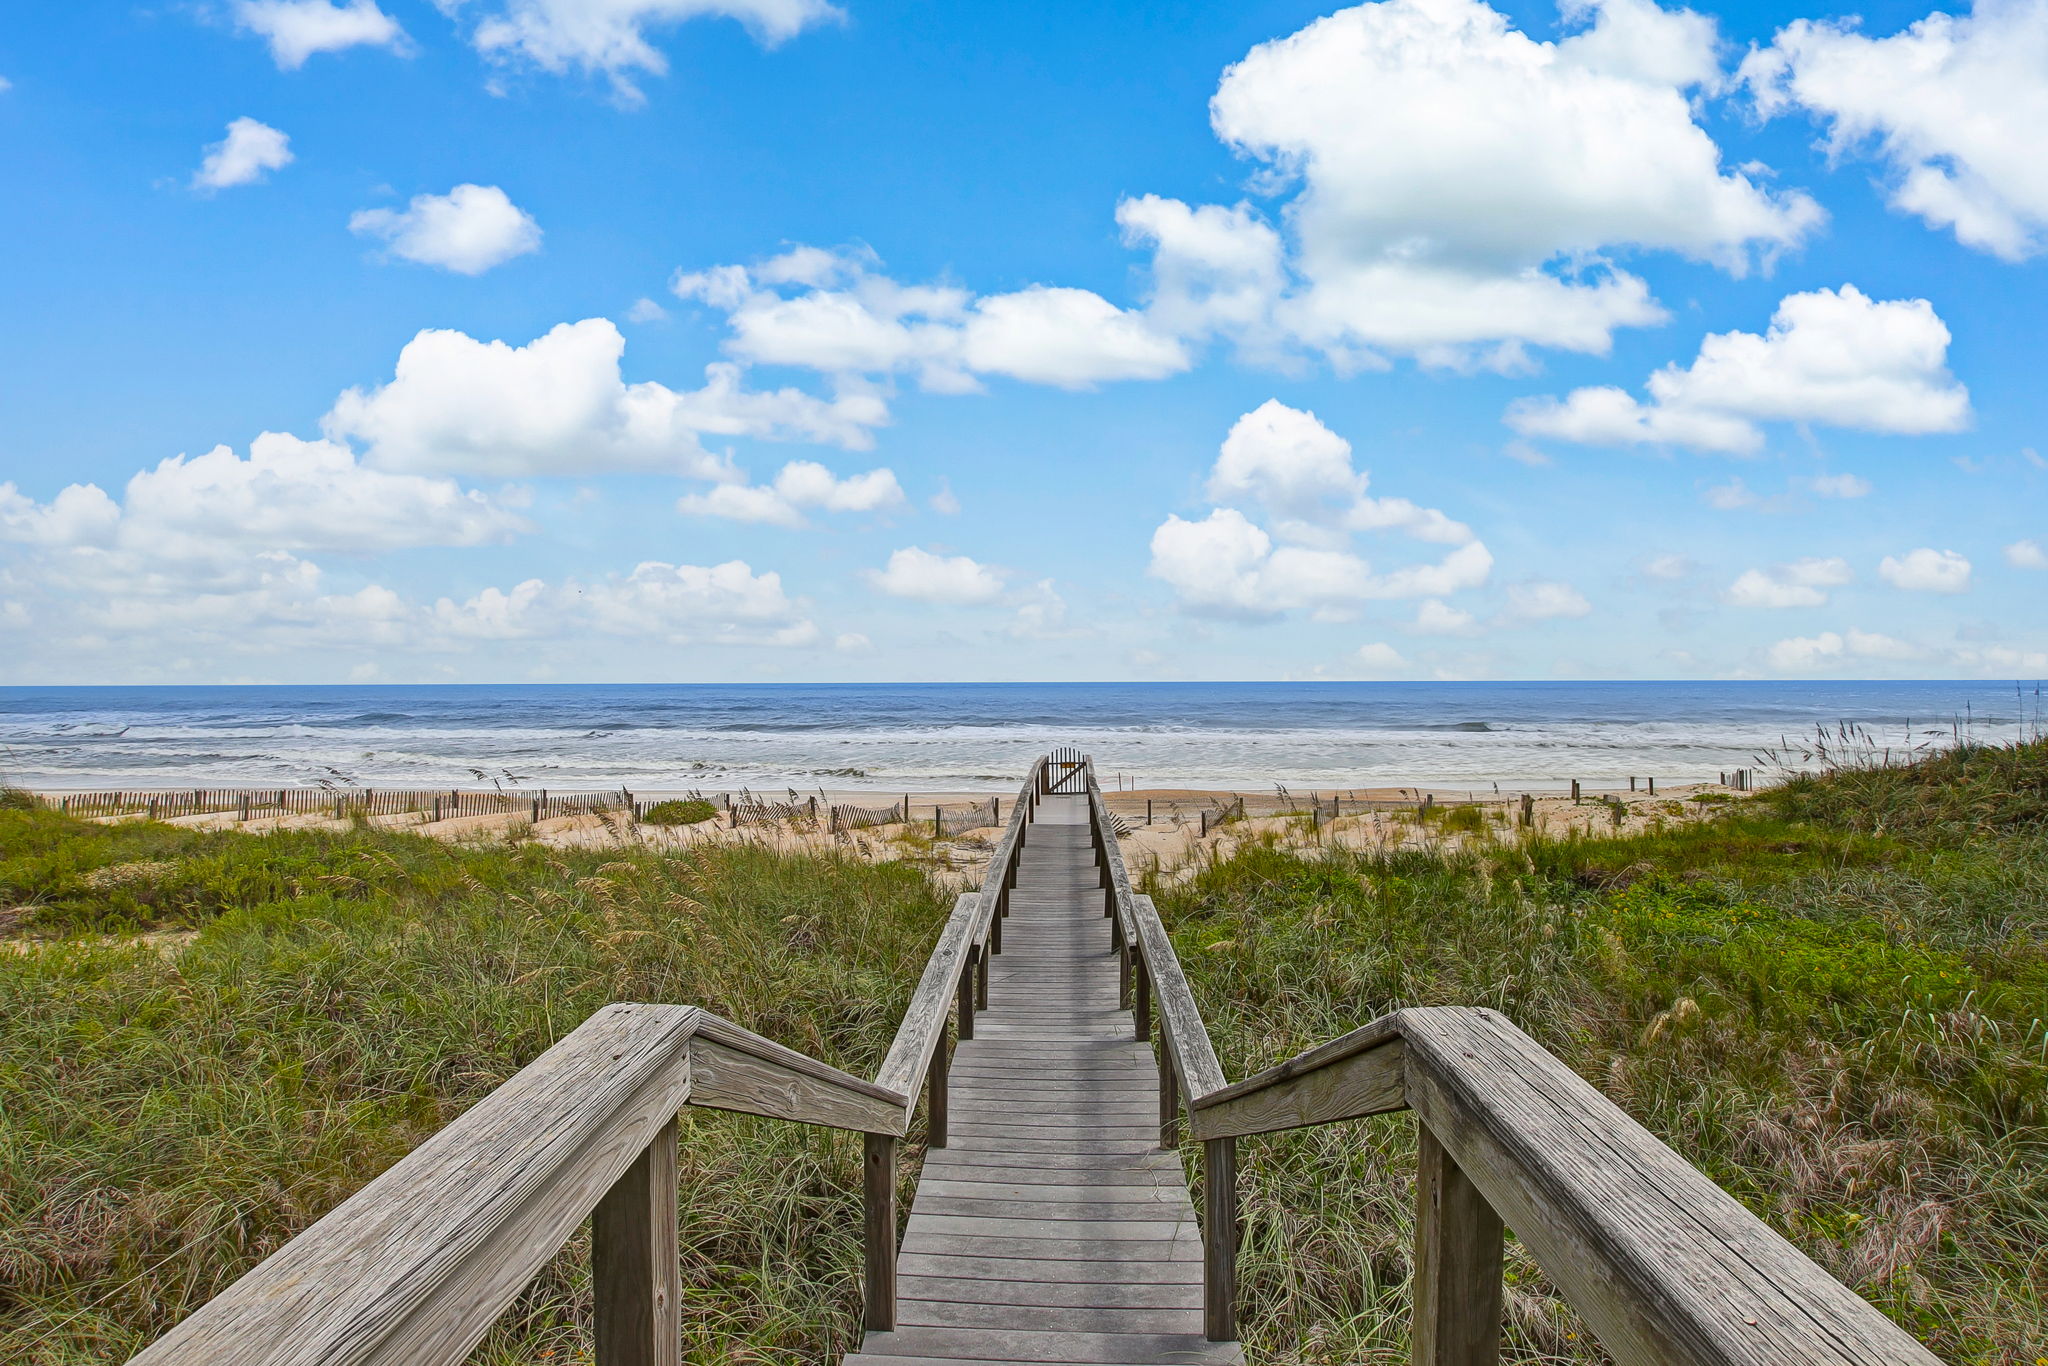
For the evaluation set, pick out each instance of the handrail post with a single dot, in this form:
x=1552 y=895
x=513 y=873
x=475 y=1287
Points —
x=1141 y=1008
x=636 y=1267
x=1458 y=1264
x=966 y=992
x=936 y=1080
x=1169 y=1094
x=981 y=981
x=878 y=1231
x=1219 y=1239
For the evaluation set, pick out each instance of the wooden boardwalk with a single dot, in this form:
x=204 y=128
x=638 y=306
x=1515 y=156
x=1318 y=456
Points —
x=1051 y=1227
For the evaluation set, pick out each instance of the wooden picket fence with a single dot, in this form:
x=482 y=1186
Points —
x=248 y=803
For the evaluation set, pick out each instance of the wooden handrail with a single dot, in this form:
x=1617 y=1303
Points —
x=1664 y=1265
x=414 y=1267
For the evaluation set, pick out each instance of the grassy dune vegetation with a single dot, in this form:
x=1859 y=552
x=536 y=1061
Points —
x=1831 y=999
x=167 y=1120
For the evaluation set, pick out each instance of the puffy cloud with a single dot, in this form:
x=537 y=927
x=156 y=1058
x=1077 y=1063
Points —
x=1832 y=649
x=558 y=406
x=800 y=484
x=1299 y=473
x=1214 y=269
x=1802 y=583
x=1446 y=160
x=1068 y=337
x=298 y=29
x=681 y=604
x=244 y=156
x=1835 y=357
x=1955 y=105
x=833 y=313
x=468 y=230
x=288 y=495
x=2026 y=555
x=922 y=576
x=1545 y=601
x=609 y=37
x=1926 y=571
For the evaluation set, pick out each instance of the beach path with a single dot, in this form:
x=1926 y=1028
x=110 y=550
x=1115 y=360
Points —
x=1051 y=1227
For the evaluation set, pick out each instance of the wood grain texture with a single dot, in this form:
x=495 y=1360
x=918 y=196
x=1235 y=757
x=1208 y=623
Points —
x=1665 y=1266
x=1050 y=1228
x=414 y=1267
x=636 y=1279
x=1459 y=1248
x=1359 y=1074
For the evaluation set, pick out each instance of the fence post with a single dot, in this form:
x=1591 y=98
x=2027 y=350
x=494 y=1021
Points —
x=1458 y=1242
x=878 y=1230
x=635 y=1273
x=1528 y=811
x=1575 y=792
x=938 y=823
x=1631 y=784
x=1219 y=1239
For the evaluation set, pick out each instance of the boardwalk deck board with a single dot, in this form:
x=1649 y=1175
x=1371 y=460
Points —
x=1051 y=1228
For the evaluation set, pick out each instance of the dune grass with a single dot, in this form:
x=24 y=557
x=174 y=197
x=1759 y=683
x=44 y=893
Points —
x=168 y=1120
x=1831 y=999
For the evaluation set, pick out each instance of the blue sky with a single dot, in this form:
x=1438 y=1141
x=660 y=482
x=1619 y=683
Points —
x=771 y=339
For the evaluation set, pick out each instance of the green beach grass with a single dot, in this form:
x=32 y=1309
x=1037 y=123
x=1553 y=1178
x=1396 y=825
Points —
x=166 y=1121
x=1830 y=998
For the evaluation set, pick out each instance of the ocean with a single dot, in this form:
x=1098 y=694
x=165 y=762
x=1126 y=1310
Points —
x=956 y=736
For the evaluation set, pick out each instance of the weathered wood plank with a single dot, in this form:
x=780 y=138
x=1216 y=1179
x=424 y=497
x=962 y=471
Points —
x=1011 y=1344
x=1458 y=1264
x=1184 y=1270
x=1348 y=1084
x=414 y=1267
x=1664 y=1265
x=635 y=1265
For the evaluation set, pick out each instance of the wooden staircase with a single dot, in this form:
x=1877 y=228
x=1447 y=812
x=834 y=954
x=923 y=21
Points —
x=1050 y=1226
x=1052 y=1221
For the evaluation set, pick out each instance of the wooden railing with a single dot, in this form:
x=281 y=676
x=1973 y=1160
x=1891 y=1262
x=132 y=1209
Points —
x=1664 y=1266
x=414 y=1267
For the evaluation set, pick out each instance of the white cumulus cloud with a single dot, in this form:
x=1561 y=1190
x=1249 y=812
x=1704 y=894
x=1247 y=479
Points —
x=925 y=576
x=1830 y=356
x=1456 y=175
x=249 y=152
x=834 y=313
x=1955 y=105
x=468 y=230
x=1834 y=649
x=298 y=29
x=1802 y=583
x=1299 y=474
x=558 y=405
x=801 y=484
x=2027 y=554
x=610 y=37
x=1926 y=571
